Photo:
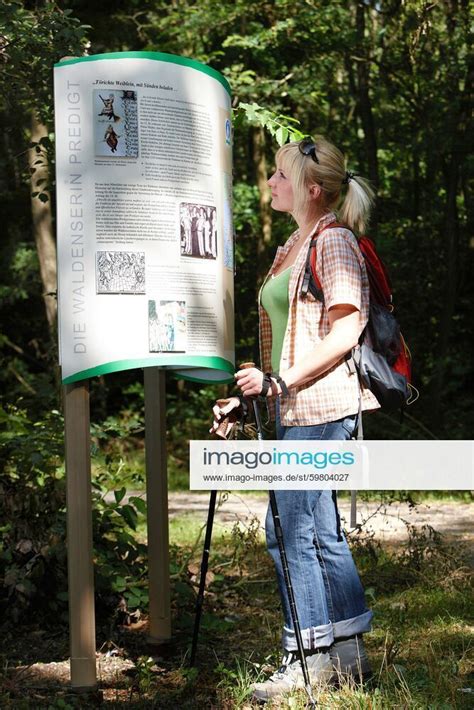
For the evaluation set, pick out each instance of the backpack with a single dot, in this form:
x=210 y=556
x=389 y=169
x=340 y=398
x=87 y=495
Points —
x=382 y=360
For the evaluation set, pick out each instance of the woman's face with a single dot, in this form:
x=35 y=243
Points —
x=282 y=190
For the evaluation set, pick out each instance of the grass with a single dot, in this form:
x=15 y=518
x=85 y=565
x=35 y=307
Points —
x=420 y=646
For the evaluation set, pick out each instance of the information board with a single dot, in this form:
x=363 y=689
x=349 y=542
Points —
x=144 y=216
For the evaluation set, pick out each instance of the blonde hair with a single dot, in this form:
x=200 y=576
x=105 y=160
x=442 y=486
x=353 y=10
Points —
x=330 y=173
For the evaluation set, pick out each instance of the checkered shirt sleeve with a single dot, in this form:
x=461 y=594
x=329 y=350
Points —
x=339 y=269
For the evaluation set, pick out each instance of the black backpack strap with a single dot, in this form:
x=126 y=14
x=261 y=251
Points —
x=309 y=282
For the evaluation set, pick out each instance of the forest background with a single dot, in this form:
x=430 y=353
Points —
x=388 y=81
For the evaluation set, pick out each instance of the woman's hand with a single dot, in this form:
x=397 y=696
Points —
x=249 y=381
x=220 y=413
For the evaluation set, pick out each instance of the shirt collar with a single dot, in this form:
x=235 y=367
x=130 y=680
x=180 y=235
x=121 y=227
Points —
x=322 y=222
x=282 y=251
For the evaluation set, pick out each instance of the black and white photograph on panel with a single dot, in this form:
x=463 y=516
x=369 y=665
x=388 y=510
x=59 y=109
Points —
x=120 y=272
x=198 y=225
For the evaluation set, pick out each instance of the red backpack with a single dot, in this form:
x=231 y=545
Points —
x=383 y=360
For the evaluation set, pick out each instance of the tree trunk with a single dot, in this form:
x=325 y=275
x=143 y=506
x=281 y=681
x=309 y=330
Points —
x=42 y=222
x=458 y=125
x=451 y=239
x=365 y=105
x=415 y=210
x=260 y=164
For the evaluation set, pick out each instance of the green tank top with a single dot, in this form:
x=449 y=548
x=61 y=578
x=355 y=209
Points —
x=274 y=299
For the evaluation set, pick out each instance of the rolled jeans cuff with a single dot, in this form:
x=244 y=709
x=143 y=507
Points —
x=350 y=627
x=313 y=637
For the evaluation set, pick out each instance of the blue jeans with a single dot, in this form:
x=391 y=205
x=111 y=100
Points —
x=329 y=595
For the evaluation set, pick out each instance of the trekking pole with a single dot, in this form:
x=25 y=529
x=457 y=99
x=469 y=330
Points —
x=291 y=598
x=284 y=564
x=221 y=432
x=202 y=579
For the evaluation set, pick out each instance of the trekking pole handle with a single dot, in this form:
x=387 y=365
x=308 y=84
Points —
x=256 y=412
x=221 y=430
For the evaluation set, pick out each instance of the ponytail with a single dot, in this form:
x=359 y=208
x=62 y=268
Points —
x=358 y=202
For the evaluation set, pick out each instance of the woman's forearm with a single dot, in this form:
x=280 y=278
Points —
x=342 y=337
x=316 y=361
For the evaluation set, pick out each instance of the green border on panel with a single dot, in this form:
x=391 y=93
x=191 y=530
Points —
x=191 y=361
x=157 y=56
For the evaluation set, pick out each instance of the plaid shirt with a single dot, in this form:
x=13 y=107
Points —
x=341 y=270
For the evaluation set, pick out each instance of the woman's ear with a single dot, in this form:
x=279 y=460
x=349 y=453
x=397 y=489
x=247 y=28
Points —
x=314 y=191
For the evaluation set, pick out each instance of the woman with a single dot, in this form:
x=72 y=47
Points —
x=305 y=340
x=207 y=233
x=201 y=223
x=186 y=230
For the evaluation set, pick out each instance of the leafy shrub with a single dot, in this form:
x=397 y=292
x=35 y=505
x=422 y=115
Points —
x=32 y=495
x=33 y=562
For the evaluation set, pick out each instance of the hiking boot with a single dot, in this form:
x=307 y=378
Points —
x=290 y=675
x=349 y=660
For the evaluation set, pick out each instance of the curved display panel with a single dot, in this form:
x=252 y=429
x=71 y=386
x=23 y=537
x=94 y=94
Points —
x=144 y=216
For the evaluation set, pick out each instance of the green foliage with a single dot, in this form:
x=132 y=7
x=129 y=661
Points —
x=145 y=679
x=33 y=534
x=120 y=555
x=282 y=128
x=32 y=561
x=32 y=41
x=23 y=272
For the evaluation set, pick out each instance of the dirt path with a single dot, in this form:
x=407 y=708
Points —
x=454 y=520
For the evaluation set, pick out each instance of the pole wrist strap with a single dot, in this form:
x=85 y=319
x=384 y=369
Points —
x=267 y=383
